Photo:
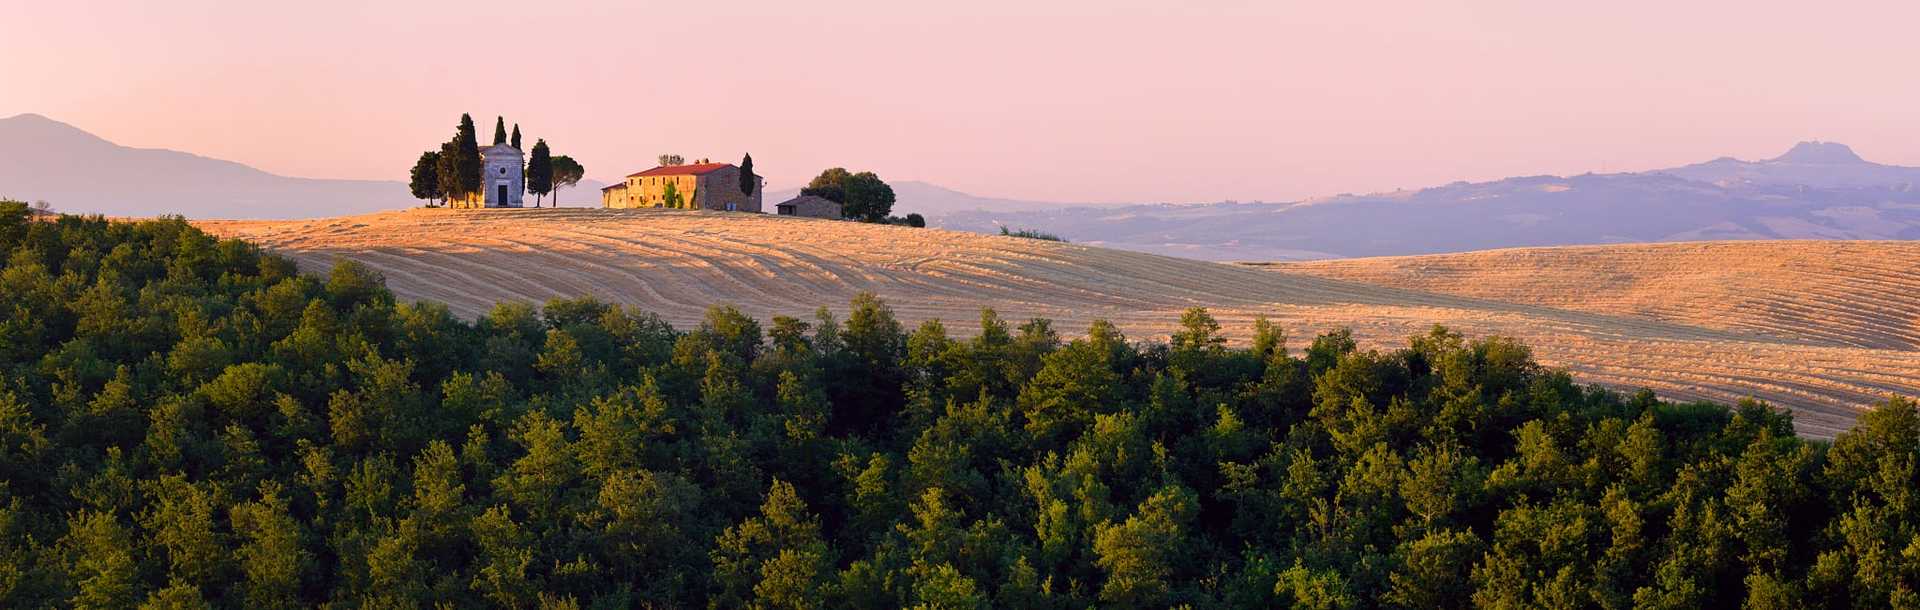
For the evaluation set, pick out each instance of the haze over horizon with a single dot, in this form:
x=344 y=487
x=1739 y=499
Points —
x=1074 y=101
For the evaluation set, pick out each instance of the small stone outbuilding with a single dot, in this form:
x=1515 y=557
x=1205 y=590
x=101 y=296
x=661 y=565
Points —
x=810 y=206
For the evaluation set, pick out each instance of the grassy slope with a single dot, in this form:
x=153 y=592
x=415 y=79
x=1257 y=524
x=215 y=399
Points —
x=1848 y=293
x=676 y=263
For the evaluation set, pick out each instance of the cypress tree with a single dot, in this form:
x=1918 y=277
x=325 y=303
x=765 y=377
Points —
x=447 y=170
x=499 y=130
x=540 y=171
x=515 y=141
x=746 y=175
x=467 y=166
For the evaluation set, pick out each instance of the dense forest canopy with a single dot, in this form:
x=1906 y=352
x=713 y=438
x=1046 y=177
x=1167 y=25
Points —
x=187 y=422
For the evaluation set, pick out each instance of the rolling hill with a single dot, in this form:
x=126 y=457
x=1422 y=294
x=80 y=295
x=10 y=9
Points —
x=1846 y=293
x=677 y=263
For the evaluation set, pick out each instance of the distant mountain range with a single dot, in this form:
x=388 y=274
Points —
x=1814 y=191
x=78 y=172
x=1815 y=164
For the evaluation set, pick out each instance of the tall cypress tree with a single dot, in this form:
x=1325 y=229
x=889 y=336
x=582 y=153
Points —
x=747 y=181
x=499 y=130
x=446 y=167
x=515 y=141
x=540 y=171
x=467 y=166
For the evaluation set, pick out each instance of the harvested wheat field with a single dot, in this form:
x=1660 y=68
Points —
x=1847 y=293
x=676 y=263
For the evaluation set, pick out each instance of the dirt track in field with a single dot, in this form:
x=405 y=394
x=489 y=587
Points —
x=1825 y=328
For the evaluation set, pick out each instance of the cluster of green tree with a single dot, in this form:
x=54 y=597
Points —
x=911 y=220
x=862 y=196
x=671 y=198
x=186 y=422
x=1031 y=234
x=453 y=171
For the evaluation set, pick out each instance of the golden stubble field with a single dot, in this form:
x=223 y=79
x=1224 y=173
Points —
x=1825 y=328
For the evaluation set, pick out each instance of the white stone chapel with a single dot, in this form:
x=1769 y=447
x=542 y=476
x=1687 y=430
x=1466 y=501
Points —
x=504 y=183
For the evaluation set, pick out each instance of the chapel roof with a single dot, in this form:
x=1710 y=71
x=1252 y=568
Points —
x=502 y=147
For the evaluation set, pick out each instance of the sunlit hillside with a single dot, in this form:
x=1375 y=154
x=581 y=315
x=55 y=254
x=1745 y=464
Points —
x=676 y=263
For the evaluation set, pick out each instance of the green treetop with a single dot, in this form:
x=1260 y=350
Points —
x=747 y=180
x=425 y=178
x=539 y=171
x=566 y=172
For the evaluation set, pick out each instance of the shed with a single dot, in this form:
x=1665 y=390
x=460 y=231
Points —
x=810 y=206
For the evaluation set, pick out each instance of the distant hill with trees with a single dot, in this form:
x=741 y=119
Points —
x=188 y=422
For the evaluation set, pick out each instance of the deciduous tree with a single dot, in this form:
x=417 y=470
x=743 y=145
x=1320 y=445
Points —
x=861 y=196
x=425 y=182
x=566 y=172
x=868 y=197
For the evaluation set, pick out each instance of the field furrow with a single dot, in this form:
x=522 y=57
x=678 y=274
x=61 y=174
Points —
x=1824 y=328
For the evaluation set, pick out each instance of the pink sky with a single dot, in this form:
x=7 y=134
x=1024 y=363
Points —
x=1107 y=100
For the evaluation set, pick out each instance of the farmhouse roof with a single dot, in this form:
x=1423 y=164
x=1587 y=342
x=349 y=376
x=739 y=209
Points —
x=807 y=198
x=616 y=185
x=681 y=170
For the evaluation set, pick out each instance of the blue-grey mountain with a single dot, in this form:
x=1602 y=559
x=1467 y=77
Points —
x=1815 y=191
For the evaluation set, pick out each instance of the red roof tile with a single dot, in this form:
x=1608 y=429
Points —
x=681 y=170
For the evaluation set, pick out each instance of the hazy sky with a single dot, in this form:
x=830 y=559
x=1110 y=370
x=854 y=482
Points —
x=1099 y=100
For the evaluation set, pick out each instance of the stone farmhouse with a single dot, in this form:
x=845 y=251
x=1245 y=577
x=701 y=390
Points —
x=502 y=181
x=809 y=206
x=700 y=186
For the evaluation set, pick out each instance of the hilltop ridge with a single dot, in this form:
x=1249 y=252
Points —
x=1820 y=152
x=676 y=263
